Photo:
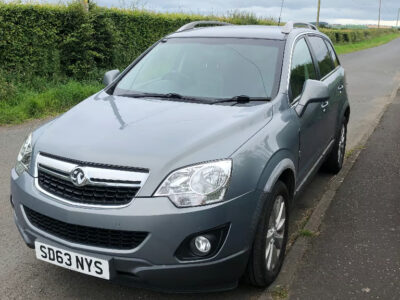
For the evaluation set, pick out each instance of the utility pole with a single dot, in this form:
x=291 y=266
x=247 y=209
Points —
x=280 y=14
x=319 y=8
x=379 y=16
x=398 y=13
x=86 y=5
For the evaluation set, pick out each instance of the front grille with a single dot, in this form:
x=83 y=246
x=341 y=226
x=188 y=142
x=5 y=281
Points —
x=92 y=164
x=104 y=238
x=88 y=194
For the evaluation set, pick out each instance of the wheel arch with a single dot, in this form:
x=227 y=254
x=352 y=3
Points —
x=289 y=179
x=347 y=113
x=281 y=166
x=285 y=171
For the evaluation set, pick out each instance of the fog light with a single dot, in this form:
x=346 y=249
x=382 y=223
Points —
x=201 y=245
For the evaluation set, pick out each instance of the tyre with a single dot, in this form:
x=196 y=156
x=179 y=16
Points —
x=334 y=161
x=269 y=245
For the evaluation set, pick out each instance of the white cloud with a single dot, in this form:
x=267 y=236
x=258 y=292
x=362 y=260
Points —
x=361 y=22
x=337 y=11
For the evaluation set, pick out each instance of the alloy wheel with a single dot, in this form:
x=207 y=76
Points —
x=342 y=144
x=275 y=233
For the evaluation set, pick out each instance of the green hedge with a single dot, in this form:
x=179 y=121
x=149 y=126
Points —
x=29 y=39
x=58 y=40
x=54 y=41
x=342 y=36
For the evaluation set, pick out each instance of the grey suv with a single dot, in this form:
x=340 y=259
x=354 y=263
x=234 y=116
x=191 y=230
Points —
x=179 y=175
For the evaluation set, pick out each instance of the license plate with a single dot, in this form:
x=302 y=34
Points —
x=70 y=260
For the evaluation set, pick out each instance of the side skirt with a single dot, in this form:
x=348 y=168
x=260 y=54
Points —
x=315 y=167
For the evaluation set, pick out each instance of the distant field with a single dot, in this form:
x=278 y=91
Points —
x=374 y=42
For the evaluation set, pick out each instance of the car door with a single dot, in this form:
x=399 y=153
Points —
x=341 y=94
x=330 y=75
x=311 y=137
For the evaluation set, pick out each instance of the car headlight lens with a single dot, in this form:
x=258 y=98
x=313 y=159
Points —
x=198 y=184
x=24 y=156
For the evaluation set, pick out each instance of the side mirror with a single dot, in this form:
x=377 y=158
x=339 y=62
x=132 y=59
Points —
x=110 y=76
x=314 y=91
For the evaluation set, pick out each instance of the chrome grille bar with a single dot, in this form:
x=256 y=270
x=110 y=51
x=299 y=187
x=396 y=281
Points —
x=95 y=176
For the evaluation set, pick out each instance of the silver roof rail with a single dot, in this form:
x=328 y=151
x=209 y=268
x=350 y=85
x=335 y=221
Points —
x=289 y=26
x=194 y=24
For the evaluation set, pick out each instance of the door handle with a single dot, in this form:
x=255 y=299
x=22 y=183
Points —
x=324 y=104
x=340 y=87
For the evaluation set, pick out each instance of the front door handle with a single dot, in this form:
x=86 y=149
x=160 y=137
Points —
x=324 y=104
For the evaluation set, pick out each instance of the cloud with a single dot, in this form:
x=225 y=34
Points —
x=302 y=10
x=349 y=11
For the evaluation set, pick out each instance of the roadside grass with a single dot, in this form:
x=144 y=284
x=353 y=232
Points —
x=374 y=42
x=299 y=227
x=307 y=233
x=40 y=99
x=280 y=293
x=352 y=151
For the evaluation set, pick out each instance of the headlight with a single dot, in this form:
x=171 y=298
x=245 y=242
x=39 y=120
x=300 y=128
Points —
x=198 y=184
x=24 y=156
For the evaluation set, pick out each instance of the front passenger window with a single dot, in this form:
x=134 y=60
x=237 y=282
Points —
x=302 y=68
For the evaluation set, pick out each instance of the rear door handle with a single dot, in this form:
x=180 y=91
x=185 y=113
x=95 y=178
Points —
x=324 y=104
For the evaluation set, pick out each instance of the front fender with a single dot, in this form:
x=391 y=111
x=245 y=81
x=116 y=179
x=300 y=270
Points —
x=279 y=167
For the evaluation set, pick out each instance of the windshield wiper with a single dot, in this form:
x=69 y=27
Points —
x=237 y=99
x=165 y=96
x=242 y=99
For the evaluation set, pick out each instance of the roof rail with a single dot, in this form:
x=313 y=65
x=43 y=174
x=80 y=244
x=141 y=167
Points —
x=194 y=24
x=289 y=26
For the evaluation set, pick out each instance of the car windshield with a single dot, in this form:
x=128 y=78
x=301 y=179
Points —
x=207 y=68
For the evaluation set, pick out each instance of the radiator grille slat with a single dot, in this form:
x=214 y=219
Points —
x=91 y=236
x=88 y=194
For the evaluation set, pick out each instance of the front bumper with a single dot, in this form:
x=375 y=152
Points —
x=153 y=263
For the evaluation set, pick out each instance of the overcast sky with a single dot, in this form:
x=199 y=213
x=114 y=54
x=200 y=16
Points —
x=332 y=11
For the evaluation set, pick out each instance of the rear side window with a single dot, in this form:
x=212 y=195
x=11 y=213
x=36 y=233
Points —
x=322 y=55
x=302 y=68
x=333 y=54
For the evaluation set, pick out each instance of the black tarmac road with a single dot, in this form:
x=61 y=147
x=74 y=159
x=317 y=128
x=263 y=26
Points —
x=357 y=253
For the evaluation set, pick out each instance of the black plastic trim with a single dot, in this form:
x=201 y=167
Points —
x=184 y=252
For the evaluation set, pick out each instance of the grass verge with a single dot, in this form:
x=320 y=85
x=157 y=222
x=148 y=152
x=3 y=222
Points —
x=25 y=102
x=374 y=42
x=280 y=293
x=307 y=233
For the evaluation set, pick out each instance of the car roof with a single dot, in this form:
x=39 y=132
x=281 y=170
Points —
x=235 y=31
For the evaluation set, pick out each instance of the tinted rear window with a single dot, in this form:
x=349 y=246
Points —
x=333 y=54
x=322 y=55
